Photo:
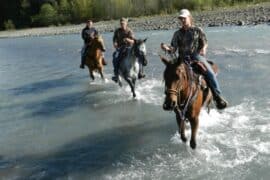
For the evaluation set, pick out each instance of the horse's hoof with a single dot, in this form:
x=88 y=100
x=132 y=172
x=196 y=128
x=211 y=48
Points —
x=184 y=139
x=140 y=76
x=193 y=144
x=134 y=95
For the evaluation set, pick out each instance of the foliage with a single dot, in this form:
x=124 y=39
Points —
x=46 y=16
x=25 y=13
x=8 y=25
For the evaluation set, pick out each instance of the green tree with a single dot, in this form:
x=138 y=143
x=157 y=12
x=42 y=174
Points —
x=81 y=9
x=64 y=9
x=46 y=15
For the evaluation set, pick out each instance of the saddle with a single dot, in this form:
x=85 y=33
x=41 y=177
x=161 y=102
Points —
x=199 y=68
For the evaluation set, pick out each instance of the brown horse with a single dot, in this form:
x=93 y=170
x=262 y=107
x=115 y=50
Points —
x=94 y=58
x=186 y=93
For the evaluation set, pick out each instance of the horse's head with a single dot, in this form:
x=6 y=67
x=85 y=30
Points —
x=98 y=42
x=140 y=50
x=174 y=76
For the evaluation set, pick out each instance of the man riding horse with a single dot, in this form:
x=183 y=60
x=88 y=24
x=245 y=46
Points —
x=191 y=44
x=88 y=34
x=123 y=40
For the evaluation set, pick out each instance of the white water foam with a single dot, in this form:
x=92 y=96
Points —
x=225 y=142
x=240 y=51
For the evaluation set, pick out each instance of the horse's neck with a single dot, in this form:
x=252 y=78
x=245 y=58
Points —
x=131 y=58
x=187 y=82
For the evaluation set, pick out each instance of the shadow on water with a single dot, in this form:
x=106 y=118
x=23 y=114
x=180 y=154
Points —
x=93 y=155
x=59 y=105
x=43 y=86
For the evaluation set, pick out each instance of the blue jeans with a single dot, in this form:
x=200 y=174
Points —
x=83 y=54
x=210 y=74
x=117 y=55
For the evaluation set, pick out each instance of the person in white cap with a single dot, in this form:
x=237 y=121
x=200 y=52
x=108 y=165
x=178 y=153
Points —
x=191 y=43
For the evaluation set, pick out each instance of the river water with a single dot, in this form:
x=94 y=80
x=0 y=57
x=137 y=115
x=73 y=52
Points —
x=57 y=124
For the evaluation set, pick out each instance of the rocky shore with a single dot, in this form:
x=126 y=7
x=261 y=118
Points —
x=236 y=16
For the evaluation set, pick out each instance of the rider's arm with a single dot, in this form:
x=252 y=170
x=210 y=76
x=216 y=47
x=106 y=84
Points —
x=174 y=42
x=202 y=42
x=130 y=38
x=115 y=44
x=129 y=41
x=84 y=35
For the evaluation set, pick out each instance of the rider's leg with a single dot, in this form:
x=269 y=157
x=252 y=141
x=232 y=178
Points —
x=221 y=103
x=115 y=66
x=141 y=74
x=83 y=55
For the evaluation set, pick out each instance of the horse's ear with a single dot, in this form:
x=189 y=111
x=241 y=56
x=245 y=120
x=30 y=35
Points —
x=145 y=40
x=164 y=60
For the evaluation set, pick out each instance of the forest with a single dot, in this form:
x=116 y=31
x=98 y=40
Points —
x=18 y=14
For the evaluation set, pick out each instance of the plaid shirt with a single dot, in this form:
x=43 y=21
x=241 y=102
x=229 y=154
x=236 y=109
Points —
x=189 y=41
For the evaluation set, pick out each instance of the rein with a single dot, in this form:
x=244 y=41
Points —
x=182 y=109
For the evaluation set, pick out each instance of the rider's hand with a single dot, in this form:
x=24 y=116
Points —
x=115 y=45
x=203 y=51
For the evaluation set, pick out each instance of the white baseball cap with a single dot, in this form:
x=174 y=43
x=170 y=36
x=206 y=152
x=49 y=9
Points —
x=184 y=13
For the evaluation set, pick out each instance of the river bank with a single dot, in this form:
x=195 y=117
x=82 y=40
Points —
x=235 y=16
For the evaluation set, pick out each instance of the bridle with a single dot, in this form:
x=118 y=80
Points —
x=181 y=109
x=176 y=91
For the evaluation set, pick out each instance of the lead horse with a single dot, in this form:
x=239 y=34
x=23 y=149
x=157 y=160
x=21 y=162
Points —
x=94 y=58
x=129 y=65
x=186 y=93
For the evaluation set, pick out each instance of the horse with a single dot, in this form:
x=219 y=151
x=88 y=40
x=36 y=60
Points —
x=94 y=57
x=129 y=65
x=185 y=94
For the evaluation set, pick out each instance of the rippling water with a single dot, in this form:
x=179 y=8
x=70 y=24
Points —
x=56 y=124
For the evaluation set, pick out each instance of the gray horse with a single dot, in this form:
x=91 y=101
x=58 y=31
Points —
x=129 y=66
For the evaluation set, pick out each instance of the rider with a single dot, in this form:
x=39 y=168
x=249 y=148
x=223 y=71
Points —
x=123 y=39
x=89 y=32
x=191 y=43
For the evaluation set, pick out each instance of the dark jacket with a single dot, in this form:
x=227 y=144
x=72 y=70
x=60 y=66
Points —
x=120 y=35
x=88 y=34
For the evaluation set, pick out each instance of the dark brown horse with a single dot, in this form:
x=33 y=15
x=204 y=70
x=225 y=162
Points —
x=186 y=93
x=94 y=58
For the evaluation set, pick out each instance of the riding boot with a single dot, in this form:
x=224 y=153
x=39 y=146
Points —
x=220 y=102
x=141 y=74
x=103 y=61
x=115 y=78
x=82 y=62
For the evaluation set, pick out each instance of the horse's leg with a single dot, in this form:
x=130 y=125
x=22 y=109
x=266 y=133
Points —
x=91 y=74
x=101 y=74
x=194 y=122
x=181 y=126
x=131 y=86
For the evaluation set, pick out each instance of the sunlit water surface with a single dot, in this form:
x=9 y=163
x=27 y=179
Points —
x=57 y=124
